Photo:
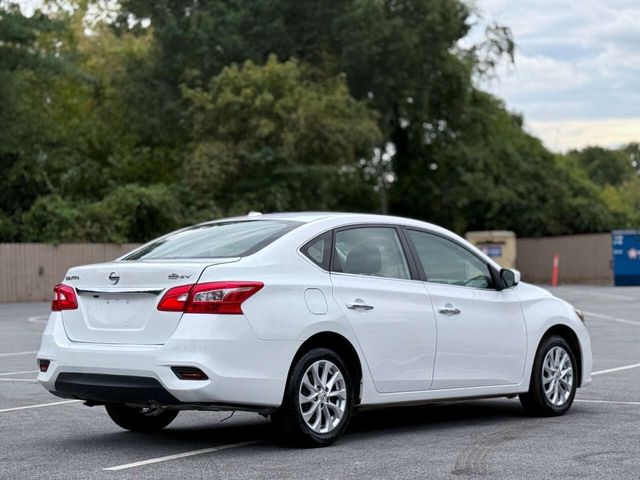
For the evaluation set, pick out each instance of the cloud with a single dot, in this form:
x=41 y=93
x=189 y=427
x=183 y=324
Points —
x=565 y=135
x=577 y=65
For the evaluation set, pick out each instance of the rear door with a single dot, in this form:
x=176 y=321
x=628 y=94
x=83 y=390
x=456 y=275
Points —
x=482 y=337
x=389 y=311
x=117 y=302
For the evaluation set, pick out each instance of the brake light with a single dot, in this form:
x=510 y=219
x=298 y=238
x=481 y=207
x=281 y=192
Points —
x=213 y=297
x=175 y=299
x=64 y=298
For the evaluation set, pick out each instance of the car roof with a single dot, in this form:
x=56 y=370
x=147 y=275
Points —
x=337 y=219
x=308 y=217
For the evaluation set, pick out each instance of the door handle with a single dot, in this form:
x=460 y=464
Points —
x=359 y=306
x=449 y=309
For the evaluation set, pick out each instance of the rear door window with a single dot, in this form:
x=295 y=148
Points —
x=374 y=251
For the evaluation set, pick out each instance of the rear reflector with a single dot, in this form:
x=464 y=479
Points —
x=189 y=373
x=43 y=365
x=64 y=298
x=212 y=297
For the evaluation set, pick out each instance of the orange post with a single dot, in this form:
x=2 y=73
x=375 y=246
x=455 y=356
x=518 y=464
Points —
x=555 y=270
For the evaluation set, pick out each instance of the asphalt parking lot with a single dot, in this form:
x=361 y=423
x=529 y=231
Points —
x=42 y=436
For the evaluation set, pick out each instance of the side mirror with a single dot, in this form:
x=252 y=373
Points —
x=509 y=277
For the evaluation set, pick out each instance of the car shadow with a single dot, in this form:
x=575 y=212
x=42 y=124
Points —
x=436 y=416
x=366 y=423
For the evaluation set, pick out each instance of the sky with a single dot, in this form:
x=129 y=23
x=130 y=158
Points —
x=576 y=77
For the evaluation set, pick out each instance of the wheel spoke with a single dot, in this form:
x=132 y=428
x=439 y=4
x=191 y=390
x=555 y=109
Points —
x=316 y=376
x=342 y=393
x=555 y=392
x=564 y=360
x=306 y=383
x=335 y=408
x=307 y=398
x=317 y=424
x=334 y=378
x=325 y=372
x=328 y=421
x=309 y=413
x=566 y=382
x=550 y=389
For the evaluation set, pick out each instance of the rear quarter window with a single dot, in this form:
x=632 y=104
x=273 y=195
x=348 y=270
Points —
x=318 y=250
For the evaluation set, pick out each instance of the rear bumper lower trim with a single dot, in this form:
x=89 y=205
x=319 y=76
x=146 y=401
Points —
x=112 y=388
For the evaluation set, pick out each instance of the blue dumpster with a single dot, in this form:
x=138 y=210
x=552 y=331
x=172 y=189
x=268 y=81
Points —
x=625 y=245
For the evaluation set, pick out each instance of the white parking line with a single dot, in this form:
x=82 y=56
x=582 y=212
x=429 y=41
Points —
x=181 y=455
x=28 y=380
x=4 y=374
x=38 y=319
x=615 y=402
x=15 y=354
x=597 y=292
x=38 y=406
x=612 y=319
x=616 y=369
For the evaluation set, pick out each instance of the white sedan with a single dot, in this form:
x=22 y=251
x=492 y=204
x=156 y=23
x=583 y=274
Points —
x=305 y=317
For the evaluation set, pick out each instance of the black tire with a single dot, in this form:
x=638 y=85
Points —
x=288 y=420
x=134 y=419
x=535 y=401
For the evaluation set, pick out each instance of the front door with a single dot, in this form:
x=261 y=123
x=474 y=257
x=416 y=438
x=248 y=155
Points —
x=482 y=337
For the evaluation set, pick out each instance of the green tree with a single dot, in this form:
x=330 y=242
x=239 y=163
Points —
x=24 y=60
x=273 y=138
x=604 y=166
x=177 y=112
x=402 y=58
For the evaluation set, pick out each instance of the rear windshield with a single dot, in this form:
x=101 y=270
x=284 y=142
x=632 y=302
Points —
x=216 y=240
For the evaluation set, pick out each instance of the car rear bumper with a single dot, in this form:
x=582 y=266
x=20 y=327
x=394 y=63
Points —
x=242 y=370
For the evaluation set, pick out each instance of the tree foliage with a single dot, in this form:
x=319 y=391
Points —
x=272 y=137
x=120 y=125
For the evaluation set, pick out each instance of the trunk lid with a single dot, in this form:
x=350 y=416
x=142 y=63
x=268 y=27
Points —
x=117 y=301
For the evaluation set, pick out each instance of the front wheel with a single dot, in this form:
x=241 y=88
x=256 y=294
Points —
x=139 y=419
x=553 y=379
x=318 y=400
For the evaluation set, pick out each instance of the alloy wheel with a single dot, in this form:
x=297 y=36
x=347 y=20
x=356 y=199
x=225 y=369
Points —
x=557 y=376
x=322 y=396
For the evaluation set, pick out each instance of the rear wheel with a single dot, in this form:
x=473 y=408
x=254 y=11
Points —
x=139 y=419
x=553 y=379
x=318 y=400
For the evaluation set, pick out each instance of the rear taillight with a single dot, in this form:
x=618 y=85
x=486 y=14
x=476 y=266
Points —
x=64 y=298
x=221 y=297
x=213 y=297
x=175 y=299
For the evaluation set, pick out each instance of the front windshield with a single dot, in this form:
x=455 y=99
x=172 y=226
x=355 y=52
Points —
x=215 y=240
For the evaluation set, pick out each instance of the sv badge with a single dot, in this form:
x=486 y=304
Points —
x=175 y=276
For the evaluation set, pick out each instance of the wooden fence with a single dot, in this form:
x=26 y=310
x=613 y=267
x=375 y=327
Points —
x=28 y=271
x=583 y=258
